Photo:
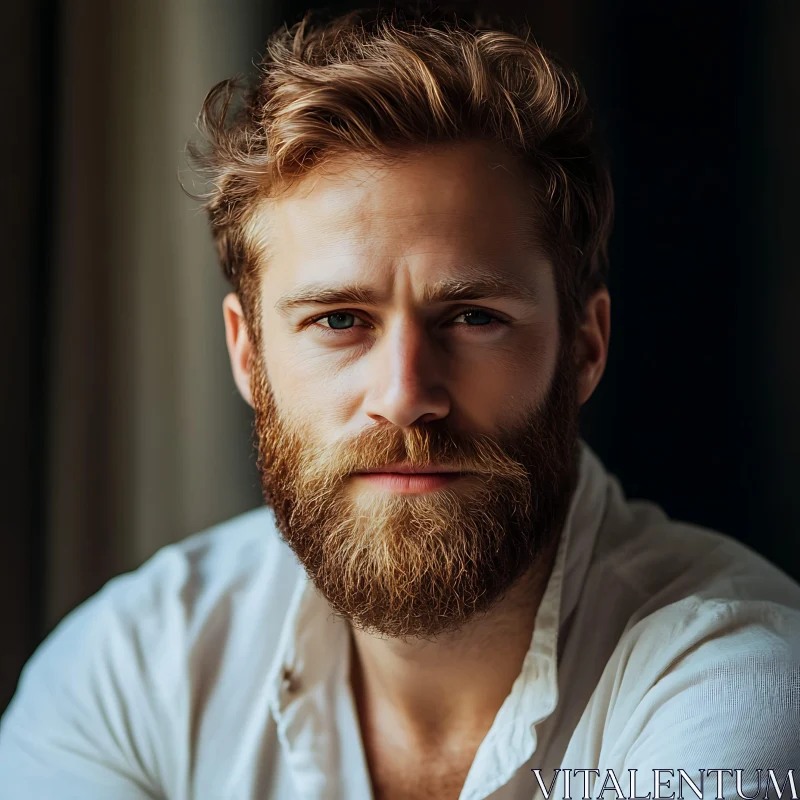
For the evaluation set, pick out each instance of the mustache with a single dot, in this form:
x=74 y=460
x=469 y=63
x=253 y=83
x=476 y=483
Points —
x=419 y=447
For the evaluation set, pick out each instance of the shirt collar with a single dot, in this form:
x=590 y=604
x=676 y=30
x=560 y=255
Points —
x=313 y=649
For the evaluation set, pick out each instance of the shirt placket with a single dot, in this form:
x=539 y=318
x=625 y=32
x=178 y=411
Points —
x=313 y=707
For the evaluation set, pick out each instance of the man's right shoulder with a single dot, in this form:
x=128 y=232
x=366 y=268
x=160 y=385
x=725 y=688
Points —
x=119 y=693
x=240 y=570
x=122 y=677
x=244 y=553
x=237 y=573
x=190 y=599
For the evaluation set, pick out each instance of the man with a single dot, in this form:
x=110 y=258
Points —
x=446 y=596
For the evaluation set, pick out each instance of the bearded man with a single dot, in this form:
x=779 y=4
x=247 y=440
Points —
x=446 y=595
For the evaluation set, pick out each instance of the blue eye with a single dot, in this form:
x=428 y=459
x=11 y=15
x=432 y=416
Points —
x=475 y=317
x=341 y=320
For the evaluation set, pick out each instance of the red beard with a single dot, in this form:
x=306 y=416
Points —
x=420 y=565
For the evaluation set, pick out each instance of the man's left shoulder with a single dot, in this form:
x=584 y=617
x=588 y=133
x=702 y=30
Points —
x=703 y=610
x=705 y=638
x=710 y=683
x=655 y=561
x=728 y=613
x=706 y=664
x=706 y=682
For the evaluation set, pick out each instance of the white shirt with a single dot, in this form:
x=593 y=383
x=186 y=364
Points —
x=216 y=672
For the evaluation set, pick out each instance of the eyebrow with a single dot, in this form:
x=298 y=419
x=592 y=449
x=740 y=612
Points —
x=477 y=288
x=447 y=290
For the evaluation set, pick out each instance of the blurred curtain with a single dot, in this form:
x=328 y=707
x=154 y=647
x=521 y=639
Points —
x=25 y=219
x=779 y=269
x=148 y=439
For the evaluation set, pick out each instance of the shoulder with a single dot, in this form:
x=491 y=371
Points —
x=685 y=585
x=707 y=683
x=674 y=590
x=649 y=571
x=182 y=592
x=122 y=675
x=188 y=587
x=244 y=556
x=707 y=643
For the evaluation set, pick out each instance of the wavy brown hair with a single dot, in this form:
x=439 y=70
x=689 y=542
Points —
x=385 y=84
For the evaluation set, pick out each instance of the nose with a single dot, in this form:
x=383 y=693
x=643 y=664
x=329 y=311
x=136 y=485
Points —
x=405 y=385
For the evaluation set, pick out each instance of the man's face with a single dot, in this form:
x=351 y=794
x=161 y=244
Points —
x=416 y=416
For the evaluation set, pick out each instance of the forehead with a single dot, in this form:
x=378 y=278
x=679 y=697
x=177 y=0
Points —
x=433 y=214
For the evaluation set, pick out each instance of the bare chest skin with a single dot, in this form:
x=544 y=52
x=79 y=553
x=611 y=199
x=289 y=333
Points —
x=397 y=774
x=401 y=769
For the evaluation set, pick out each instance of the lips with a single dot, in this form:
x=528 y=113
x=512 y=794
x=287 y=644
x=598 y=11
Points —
x=404 y=479
x=405 y=469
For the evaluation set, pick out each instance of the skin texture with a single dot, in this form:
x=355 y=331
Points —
x=409 y=357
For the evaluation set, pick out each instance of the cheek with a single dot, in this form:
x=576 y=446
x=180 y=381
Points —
x=318 y=390
x=510 y=380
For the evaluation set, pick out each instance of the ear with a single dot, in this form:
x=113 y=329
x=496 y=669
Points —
x=240 y=347
x=592 y=343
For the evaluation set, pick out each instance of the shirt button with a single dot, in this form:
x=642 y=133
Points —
x=290 y=681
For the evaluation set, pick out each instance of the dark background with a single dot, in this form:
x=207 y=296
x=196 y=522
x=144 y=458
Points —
x=699 y=106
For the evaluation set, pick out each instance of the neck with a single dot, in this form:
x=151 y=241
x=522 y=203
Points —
x=446 y=692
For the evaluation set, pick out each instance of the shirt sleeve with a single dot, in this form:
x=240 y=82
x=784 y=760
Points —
x=731 y=703
x=88 y=714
